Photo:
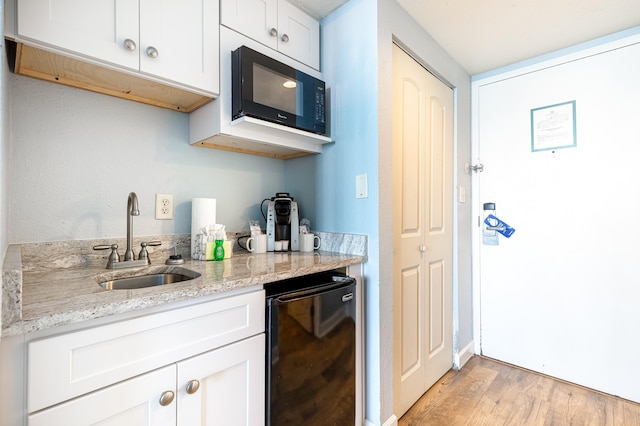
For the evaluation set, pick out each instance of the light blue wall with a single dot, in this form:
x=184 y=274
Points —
x=75 y=155
x=349 y=64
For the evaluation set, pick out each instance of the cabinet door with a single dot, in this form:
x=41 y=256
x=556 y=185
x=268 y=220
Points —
x=94 y=29
x=231 y=385
x=179 y=41
x=253 y=18
x=299 y=35
x=132 y=402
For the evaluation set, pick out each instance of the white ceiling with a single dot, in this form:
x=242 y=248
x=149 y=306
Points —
x=482 y=35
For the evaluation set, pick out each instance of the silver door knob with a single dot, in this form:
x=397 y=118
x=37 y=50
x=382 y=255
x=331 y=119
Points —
x=166 y=398
x=423 y=249
x=273 y=32
x=193 y=386
x=285 y=38
x=129 y=44
x=152 y=52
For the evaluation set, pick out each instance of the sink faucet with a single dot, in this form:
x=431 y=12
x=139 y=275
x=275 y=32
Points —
x=129 y=258
x=132 y=210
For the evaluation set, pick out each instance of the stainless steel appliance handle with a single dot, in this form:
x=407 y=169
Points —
x=313 y=291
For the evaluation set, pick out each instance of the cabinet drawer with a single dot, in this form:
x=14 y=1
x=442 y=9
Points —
x=75 y=363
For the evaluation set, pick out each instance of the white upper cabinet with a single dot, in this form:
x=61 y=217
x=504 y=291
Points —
x=298 y=35
x=175 y=42
x=97 y=29
x=179 y=41
x=277 y=24
x=253 y=18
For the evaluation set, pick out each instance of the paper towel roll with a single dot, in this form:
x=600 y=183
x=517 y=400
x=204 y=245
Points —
x=203 y=213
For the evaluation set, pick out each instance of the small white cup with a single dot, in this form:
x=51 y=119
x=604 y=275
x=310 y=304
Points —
x=309 y=242
x=257 y=244
x=277 y=246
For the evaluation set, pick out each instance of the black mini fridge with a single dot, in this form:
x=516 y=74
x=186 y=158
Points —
x=311 y=346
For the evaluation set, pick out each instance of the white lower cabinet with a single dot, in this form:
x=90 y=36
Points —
x=133 y=402
x=221 y=387
x=198 y=365
x=229 y=386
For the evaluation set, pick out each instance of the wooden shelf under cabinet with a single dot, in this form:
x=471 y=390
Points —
x=44 y=65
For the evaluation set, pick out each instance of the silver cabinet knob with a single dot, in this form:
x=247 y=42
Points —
x=273 y=32
x=167 y=398
x=423 y=249
x=193 y=386
x=152 y=52
x=129 y=44
x=285 y=38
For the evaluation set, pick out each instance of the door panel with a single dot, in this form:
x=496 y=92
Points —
x=411 y=323
x=411 y=158
x=423 y=238
x=437 y=168
x=436 y=311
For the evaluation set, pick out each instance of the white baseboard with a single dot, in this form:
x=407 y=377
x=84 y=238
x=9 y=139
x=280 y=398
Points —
x=391 y=421
x=464 y=355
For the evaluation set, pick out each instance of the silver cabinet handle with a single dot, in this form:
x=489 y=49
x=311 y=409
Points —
x=166 y=398
x=193 y=386
x=152 y=52
x=273 y=32
x=423 y=249
x=285 y=38
x=129 y=44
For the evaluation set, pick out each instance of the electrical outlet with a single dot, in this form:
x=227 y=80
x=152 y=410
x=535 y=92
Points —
x=164 y=206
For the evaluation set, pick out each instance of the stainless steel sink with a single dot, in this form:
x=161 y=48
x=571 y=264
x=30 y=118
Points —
x=149 y=280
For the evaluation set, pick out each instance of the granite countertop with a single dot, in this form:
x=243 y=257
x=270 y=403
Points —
x=51 y=284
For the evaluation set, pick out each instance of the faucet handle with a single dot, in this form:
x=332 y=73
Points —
x=114 y=257
x=144 y=254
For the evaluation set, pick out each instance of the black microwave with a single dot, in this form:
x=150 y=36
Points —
x=264 y=88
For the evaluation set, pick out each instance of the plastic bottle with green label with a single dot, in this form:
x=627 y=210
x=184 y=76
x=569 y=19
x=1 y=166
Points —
x=218 y=250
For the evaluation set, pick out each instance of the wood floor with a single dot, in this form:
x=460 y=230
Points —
x=487 y=392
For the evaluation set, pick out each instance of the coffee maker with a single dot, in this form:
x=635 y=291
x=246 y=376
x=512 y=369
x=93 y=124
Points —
x=283 y=222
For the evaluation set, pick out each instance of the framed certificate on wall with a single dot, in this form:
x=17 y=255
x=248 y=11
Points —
x=553 y=126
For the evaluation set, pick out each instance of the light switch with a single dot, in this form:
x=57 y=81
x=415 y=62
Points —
x=462 y=194
x=361 y=186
